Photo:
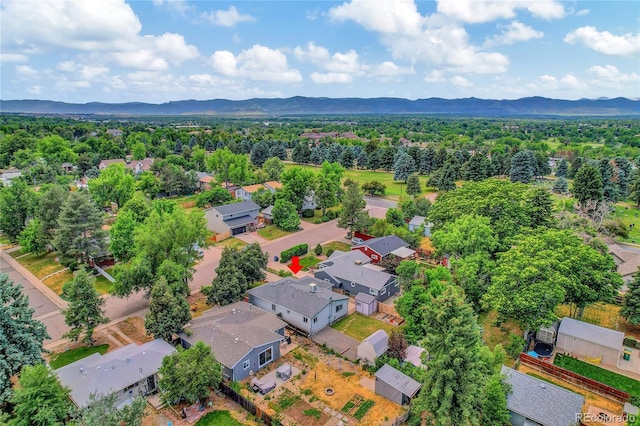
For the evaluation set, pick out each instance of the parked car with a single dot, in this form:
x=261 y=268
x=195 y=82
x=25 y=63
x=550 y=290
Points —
x=199 y=251
x=357 y=241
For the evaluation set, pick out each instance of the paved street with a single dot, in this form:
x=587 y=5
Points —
x=379 y=202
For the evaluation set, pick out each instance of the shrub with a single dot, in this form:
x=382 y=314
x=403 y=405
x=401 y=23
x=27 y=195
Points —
x=630 y=341
x=330 y=252
x=283 y=273
x=305 y=391
x=515 y=346
x=318 y=250
x=298 y=250
x=307 y=213
x=317 y=221
x=313 y=412
x=325 y=218
x=331 y=214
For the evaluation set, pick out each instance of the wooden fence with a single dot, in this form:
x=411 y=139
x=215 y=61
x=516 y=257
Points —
x=575 y=379
x=220 y=237
x=387 y=309
x=248 y=405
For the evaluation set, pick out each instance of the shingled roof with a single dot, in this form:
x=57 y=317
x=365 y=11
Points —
x=385 y=245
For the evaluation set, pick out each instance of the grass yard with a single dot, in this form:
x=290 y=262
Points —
x=601 y=375
x=272 y=232
x=493 y=335
x=308 y=261
x=103 y=285
x=72 y=355
x=336 y=245
x=233 y=243
x=603 y=314
x=629 y=214
x=58 y=281
x=361 y=326
x=218 y=418
x=41 y=265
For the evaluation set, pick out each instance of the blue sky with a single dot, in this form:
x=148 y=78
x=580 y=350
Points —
x=163 y=50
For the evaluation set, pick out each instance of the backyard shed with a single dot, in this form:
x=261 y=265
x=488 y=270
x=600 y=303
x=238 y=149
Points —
x=366 y=304
x=597 y=344
x=373 y=346
x=395 y=385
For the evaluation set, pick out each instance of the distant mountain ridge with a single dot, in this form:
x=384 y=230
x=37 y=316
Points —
x=299 y=105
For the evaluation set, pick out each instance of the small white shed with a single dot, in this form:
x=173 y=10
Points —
x=373 y=346
x=601 y=345
x=366 y=304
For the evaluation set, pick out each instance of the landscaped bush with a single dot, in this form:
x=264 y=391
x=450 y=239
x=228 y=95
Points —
x=331 y=214
x=630 y=341
x=298 y=250
x=330 y=252
x=325 y=218
x=307 y=213
x=318 y=250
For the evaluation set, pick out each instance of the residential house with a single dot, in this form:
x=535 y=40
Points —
x=395 y=385
x=206 y=183
x=114 y=132
x=307 y=304
x=601 y=345
x=373 y=347
x=267 y=215
x=234 y=218
x=379 y=248
x=366 y=304
x=243 y=337
x=418 y=221
x=272 y=186
x=627 y=261
x=351 y=273
x=105 y=163
x=130 y=371
x=245 y=192
x=67 y=167
x=8 y=175
x=201 y=178
x=532 y=401
x=309 y=202
x=139 y=166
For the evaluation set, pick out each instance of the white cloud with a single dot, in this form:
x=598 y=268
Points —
x=612 y=74
x=227 y=18
x=435 y=76
x=604 y=41
x=461 y=81
x=474 y=11
x=108 y=29
x=13 y=57
x=388 y=69
x=582 y=12
x=571 y=81
x=35 y=90
x=435 y=40
x=257 y=63
x=179 y=6
x=338 y=62
x=331 y=77
x=26 y=71
x=513 y=33
x=568 y=81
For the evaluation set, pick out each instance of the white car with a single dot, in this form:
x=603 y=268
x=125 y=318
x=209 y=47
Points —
x=357 y=241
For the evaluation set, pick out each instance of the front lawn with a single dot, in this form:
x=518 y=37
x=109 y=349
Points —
x=272 y=232
x=103 y=285
x=336 y=245
x=72 y=355
x=233 y=243
x=218 y=418
x=39 y=265
x=57 y=281
x=308 y=261
x=361 y=326
x=601 y=375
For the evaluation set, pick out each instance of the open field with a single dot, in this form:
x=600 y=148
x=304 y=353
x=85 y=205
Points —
x=272 y=232
x=629 y=214
x=599 y=374
x=361 y=326
x=72 y=355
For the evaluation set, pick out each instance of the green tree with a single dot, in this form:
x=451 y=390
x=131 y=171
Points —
x=473 y=273
x=285 y=215
x=374 y=188
x=634 y=187
x=168 y=313
x=80 y=233
x=301 y=153
x=494 y=402
x=229 y=167
x=86 y=308
x=465 y=236
x=522 y=170
x=55 y=150
x=478 y=167
x=40 y=400
x=102 y=411
x=352 y=215
x=213 y=197
x=121 y=236
x=21 y=336
x=347 y=158
x=259 y=153
x=563 y=169
x=328 y=188
x=317 y=250
x=587 y=184
x=395 y=217
x=149 y=184
x=297 y=184
x=30 y=239
x=403 y=166
x=447 y=178
x=139 y=151
x=189 y=374
x=631 y=309
x=273 y=167
x=560 y=186
x=230 y=283
x=452 y=390
x=114 y=184
x=252 y=261
x=413 y=185
x=263 y=197
x=17 y=203
x=541 y=207
x=48 y=210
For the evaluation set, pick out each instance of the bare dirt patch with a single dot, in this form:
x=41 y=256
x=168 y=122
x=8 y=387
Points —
x=197 y=304
x=297 y=413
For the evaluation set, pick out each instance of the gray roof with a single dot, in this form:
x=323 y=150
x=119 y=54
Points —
x=398 y=380
x=268 y=210
x=403 y=252
x=234 y=330
x=591 y=333
x=358 y=274
x=630 y=266
x=113 y=371
x=413 y=354
x=365 y=297
x=385 y=245
x=345 y=258
x=243 y=206
x=379 y=340
x=239 y=221
x=295 y=295
x=540 y=401
x=200 y=175
x=417 y=220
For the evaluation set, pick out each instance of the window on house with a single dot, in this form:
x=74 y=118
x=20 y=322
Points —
x=246 y=364
x=315 y=319
x=338 y=308
x=265 y=357
x=373 y=291
x=383 y=291
x=374 y=256
x=273 y=307
x=305 y=319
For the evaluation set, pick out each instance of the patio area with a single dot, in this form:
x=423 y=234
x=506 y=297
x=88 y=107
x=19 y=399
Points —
x=273 y=377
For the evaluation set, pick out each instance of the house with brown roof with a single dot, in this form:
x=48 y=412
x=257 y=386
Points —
x=139 y=166
x=106 y=163
x=245 y=192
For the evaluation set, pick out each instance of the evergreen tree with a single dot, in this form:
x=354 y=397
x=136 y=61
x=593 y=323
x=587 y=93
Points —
x=352 y=214
x=80 y=233
x=413 y=185
x=452 y=390
x=252 y=261
x=563 y=169
x=560 y=186
x=610 y=189
x=21 y=336
x=192 y=142
x=230 y=284
x=317 y=155
x=623 y=175
x=587 y=184
x=17 y=203
x=386 y=157
x=522 y=169
x=177 y=148
x=403 y=167
x=631 y=309
x=427 y=158
x=440 y=158
x=542 y=164
x=48 y=211
x=279 y=151
x=541 y=207
x=334 y=152
x=446 y=180
x=478 y=167
x=40 y=400
x=347 y=158
x=634 y=187
x=576 y=164
x=209 y=146
x=363 y=160
x=373 y=162
x=168 y=313
x=86 y=307
x=494 y=402
x=259 y=153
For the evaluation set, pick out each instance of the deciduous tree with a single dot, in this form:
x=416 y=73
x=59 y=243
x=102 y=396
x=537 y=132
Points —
x=273 y=167
x=587 y=184
x=114 y=184
x=168 y=312
x=297 y=184
x=465 y=236
x=631 y=309
x=17 y=204
x=103 y=411
x=86 y=307
x=285 y=215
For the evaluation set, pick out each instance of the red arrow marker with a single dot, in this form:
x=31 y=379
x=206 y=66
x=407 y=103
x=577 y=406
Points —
x=295 y=264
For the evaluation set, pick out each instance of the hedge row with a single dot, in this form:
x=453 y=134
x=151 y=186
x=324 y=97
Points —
x=298 y=250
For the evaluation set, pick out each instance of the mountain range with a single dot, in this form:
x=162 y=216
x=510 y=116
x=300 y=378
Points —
x=299 y=105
